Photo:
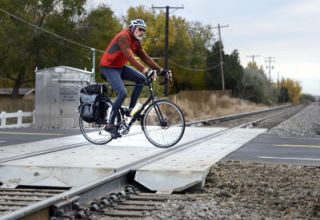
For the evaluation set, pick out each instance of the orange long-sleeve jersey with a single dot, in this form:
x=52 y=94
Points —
x=122 y=49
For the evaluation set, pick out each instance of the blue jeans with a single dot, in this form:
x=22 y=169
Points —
x=115 y=77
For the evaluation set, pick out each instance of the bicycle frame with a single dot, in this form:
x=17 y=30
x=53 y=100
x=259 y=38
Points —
x=151 y=99
x=155 y=115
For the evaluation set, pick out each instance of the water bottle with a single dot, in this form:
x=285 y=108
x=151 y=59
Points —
x=136 y=108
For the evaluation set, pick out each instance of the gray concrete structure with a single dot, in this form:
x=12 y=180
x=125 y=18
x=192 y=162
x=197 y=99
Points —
x=57 y=96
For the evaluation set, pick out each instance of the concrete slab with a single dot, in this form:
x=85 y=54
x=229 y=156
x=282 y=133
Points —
x=26 y=148
x=80 y=165
x=191 y=166
x=43 y=145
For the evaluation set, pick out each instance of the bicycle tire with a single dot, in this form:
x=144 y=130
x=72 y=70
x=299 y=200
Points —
x=168 y=133
x=95 y=133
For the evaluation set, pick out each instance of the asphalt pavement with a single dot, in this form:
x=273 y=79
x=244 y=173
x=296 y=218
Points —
x=10 y=136
x=274 y=149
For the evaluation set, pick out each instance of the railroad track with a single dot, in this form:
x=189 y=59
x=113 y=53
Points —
x=227 y=121
x=129 y=203
x=61 y=203
x=261 y=119
x=14 y=199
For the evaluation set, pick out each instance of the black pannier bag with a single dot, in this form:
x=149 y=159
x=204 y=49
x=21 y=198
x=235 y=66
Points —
x=87 y=108
x=91 y=109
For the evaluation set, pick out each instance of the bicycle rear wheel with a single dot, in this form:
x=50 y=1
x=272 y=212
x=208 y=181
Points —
x=163 y=124
x=94 y=132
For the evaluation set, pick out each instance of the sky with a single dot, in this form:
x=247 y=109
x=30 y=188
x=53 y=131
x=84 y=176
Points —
x=287 y=30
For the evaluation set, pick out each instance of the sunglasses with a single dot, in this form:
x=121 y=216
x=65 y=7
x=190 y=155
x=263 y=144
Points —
x=141 y=29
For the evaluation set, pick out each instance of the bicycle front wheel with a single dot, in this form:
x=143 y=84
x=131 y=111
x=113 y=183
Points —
x=163 y=124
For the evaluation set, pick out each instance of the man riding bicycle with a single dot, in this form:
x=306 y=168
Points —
x=121 y=50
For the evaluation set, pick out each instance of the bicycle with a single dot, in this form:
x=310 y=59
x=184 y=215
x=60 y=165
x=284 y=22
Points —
x=161 y=120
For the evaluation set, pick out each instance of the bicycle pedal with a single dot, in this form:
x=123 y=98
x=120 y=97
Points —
x=115 y=135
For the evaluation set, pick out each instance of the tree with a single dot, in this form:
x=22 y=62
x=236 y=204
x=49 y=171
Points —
x=23 y=43
x=292 y=88
x=188 y=55
x=255 y=86
x=213 y=76
x=307 y=98
x=233 y=71
x=97 y=30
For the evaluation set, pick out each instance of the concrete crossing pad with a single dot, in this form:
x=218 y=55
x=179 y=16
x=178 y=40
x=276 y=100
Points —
x=191 y=166
x=79 y=165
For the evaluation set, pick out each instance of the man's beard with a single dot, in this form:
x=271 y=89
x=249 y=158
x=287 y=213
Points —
x=138 y=37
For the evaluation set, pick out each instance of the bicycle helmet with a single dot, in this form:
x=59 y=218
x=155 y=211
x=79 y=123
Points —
x=137 y=23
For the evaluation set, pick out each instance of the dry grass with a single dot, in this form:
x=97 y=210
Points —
x=210 y=106
x=196 y=105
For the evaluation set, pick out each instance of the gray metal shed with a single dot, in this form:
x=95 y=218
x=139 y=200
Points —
x=57 y=96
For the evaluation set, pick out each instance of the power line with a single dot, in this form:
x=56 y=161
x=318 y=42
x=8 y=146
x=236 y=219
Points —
x=59 y=37
x=193 y=69
x=211 y=55
x=44 y=30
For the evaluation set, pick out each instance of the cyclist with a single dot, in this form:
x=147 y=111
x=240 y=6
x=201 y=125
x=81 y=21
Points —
x=121 y=50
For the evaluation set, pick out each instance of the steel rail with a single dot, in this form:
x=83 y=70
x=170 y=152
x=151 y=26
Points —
x=236 y=116
x=291 y=113
x=258 y=122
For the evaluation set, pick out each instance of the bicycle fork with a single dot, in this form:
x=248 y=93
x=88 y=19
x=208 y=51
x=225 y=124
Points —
x=163 y=122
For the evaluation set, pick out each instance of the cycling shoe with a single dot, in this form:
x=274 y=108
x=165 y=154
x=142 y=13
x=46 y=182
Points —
x=112 y=130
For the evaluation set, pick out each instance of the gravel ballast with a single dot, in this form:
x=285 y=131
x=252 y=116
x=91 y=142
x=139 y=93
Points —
x=247 y=190
x=250 y=190
x=304 y=123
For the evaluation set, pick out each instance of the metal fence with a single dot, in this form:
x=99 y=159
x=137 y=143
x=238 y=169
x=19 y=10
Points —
x=17 y=119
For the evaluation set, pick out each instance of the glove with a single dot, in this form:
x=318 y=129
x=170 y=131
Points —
x=166 y=73
x=152 y=74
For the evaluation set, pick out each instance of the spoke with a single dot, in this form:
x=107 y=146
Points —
x=160 y=134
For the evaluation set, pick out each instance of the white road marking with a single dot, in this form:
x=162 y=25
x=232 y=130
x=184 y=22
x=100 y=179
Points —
x=301 y=138
x=30 y=133
x=296 y=145
x=290 y=158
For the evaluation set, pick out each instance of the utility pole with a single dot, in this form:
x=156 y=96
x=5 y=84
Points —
x=269 y=61
x=166 y=65
x=221 y=58
x=278 y=85
x=93 y=64
x=253 y=56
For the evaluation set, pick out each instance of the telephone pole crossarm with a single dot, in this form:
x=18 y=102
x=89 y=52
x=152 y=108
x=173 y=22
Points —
x=269 y=61
x=253 y=56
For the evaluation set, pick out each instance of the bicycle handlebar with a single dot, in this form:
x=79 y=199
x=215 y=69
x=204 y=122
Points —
x=167 y=76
